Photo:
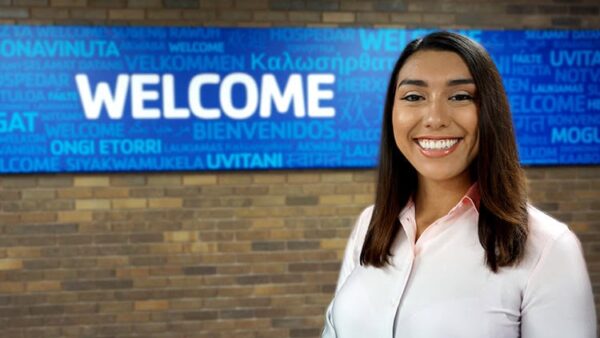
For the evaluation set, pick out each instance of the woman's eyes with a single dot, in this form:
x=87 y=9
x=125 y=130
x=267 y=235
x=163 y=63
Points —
x=457 y=97
x=461 y=97
x=412 y=98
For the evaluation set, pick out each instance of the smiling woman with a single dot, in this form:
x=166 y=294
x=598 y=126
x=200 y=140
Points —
x=435 y=115
x=451 y=248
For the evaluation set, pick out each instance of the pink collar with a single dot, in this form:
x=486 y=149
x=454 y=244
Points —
x=473 y=196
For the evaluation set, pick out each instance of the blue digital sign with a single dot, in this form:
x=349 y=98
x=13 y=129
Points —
x=111 y=99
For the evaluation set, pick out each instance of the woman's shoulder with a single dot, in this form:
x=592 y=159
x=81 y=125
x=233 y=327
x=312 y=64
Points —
x=544 y=225
x=362 y=225
x=365 y=215
x=547 y=233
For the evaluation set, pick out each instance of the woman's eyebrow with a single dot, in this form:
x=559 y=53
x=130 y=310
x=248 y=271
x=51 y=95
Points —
x=421 y=83
x=413 y=82
x=460 y=82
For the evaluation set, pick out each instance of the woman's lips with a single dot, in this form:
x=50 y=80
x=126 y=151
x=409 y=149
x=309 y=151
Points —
x=438 y=147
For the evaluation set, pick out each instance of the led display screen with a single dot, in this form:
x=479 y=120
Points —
x=113 y=99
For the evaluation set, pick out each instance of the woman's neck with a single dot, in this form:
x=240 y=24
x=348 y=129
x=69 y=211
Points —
x=434 y=199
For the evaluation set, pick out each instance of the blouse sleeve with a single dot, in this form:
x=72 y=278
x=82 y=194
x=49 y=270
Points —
x=349 y=262
x=558 y=300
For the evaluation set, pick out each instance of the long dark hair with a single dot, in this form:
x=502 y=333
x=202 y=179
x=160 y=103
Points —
x=502 y=186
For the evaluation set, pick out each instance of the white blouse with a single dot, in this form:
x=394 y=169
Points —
x=440 y=286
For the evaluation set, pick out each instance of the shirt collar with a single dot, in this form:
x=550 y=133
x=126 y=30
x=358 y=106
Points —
x=410 y=205
x=472 y=197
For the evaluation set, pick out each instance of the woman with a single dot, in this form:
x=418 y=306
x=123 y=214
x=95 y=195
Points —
x=451 y=248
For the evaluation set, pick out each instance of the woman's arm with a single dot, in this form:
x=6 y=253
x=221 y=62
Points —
x=349 y=262
x=558 y=300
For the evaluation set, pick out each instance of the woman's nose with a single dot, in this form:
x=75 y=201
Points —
x=436 y=115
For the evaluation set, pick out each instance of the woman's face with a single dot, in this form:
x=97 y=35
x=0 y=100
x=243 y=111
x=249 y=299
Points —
x=435 y=115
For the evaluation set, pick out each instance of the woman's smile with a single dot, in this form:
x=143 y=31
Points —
x=437 y=147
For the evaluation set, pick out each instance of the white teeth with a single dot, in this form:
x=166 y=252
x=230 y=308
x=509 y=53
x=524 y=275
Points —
x=436 y=144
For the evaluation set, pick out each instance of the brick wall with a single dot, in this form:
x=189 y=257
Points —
x=246 y=254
